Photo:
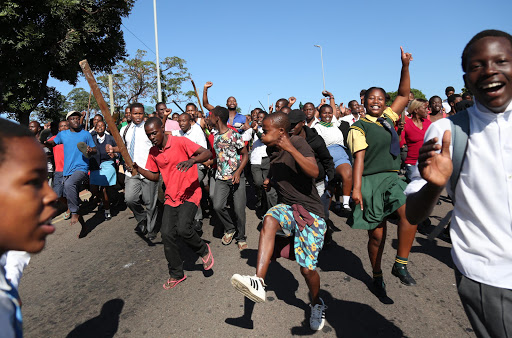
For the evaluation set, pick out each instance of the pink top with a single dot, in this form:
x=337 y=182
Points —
x=413 y=137
x=58 y=156
x=171 y=125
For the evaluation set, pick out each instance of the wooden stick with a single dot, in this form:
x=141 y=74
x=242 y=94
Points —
x=106 y=113
x=178 y=105
x=197 y=95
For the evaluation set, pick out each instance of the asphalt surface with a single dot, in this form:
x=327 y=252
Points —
x=110 y=283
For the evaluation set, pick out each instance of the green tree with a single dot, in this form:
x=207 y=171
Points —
x=53 y=106
x=135 y=79
x=418 y=94
x=48 y=38
x=78 y=99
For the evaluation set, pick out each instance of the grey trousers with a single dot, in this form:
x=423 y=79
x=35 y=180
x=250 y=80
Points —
x=141 y=196
x=71 y=189
x=220 y=200
x=259 y=174
x=489 y=308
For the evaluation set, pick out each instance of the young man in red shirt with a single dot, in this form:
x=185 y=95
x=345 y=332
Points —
x=172 y=157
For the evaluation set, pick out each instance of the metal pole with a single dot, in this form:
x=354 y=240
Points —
x=322 y=59
x=158 y=84
x=111 y=91
x=268 y=100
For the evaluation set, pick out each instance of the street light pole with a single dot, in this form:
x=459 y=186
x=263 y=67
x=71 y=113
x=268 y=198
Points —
x=322 y=59
x=268 y=99
x=158 y=84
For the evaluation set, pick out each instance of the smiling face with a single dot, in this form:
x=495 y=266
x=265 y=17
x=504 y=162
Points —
x=271 y=134
x=100 y=128
x=375 y=102
x=155 y=134
x=326 y=114
x=436 y=105
x=309 y=110
x=489 y=72
x=137 y=115
x=231 y=103
x=96 y=119
x=260 y=118
x=23 y=182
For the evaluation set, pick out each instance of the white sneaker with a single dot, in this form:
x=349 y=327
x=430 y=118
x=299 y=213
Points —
x=251 y=287
x=317 y=319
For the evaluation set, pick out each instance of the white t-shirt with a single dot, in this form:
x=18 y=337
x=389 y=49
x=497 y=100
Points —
x=141 y=146
x=350 y=119
x=481 y=227
x=259 y=149
x=331 y=135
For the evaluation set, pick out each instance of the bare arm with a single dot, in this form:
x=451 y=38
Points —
x=404 y=88
x=244 y=154
x=331 y=103
x=307 y=164
x=291 y=101
x=357 y=175
x=146 y=173
x=200 y=155
x=436 y=169
x=206 y=104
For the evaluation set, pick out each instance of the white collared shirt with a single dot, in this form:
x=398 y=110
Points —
x=350 y=118
x=195 y=134
x=142 y=144
x=481 y=228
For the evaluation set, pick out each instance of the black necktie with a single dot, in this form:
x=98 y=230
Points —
x=394 y=147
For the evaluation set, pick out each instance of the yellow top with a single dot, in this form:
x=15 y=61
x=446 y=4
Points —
x=356 y=137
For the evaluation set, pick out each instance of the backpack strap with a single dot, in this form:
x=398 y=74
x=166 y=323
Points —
x=460 y=134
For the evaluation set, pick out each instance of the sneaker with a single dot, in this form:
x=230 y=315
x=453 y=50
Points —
x=108 y=216
x=251 y=287
x=317 y=319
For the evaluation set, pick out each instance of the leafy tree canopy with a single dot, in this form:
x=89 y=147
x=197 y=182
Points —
x=418 y=94
x=48 y=38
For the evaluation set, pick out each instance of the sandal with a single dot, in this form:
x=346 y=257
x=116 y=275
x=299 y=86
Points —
x=242 y=245
x=227 y=238
x=67 y=215
x=172 y=283
x=210 y=257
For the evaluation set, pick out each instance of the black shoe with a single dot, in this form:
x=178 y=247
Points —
x=151 y=236
x=198 y=225
x=346 y=208
x=379 y=287
x=141 y=229
x=404 y=276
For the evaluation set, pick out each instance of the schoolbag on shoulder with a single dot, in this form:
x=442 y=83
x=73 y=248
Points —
x=460 y=134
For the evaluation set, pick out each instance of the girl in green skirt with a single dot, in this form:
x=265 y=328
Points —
x=378 y=190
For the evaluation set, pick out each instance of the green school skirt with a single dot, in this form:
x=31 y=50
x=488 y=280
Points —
x=383 y=194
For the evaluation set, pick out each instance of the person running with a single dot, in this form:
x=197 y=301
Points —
x=235 y=119
x=23 y=178
x=481 y=189
x=436 y=109
x=102 y=166
x=378 y=191
x=413 y=134
x=78 y=147
x=194 y=133
x=334 y=141
x=299 y=214
x=173 y=157
x=138 y=187
x=231 y=159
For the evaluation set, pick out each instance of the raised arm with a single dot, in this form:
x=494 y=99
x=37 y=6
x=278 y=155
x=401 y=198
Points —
x=331 y=103
x=436 y=169
x=291 y=101
x=404 y=88
x=206 y=104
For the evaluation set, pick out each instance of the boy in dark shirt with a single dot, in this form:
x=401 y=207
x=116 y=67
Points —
x=300 y=213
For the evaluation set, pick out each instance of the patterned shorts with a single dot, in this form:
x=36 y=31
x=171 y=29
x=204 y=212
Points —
x=308 y=242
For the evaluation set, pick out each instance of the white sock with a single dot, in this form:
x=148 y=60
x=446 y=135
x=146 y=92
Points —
x=107 y=211
x=346 y=199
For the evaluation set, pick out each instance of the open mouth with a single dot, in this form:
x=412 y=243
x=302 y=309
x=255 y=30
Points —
x=492 y=87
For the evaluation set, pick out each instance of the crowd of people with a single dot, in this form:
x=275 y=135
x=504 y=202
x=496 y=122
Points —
x=299 y=164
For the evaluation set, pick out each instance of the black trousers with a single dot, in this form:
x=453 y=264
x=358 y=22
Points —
x=177 y=222
x=489 y=308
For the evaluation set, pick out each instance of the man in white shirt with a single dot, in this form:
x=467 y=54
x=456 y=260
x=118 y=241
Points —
x=194 y=133
x=137 y=186
x=481 y=226
x=355 y=109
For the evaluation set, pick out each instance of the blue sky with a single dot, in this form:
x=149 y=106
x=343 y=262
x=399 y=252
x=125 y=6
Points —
x=250 y=49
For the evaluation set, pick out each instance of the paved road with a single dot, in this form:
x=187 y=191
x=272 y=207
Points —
x=111 y=282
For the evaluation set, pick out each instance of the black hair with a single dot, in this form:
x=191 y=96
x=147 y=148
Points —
x=175 y=114
x=136 y=105
x=481 y=35
x=308 y=103
x=257 y=110
x=262 y=112
x=464 y=104
x=467 y=94
x=432 y=99
x=283 y=100
x=187 y=114
x=369 y=90
x=222 y=113
x=54 y=126
x=9 y=130
x=279 y=120
x=99 y=116
x=287 y=108
x=452 y=97
x=325 y=105
x=154 y=120
x=160 y=103
x=449 y=89
x=362 y=92
x=190 y=104
x=353 y=101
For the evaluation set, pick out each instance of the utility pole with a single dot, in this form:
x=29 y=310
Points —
x=322 y=58
x=158 y=84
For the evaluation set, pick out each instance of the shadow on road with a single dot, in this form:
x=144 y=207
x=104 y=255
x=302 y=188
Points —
x=104 y=325
x=441 y=253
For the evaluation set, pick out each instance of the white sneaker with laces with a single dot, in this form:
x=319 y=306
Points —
x=251 y=287
x=317 y=319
